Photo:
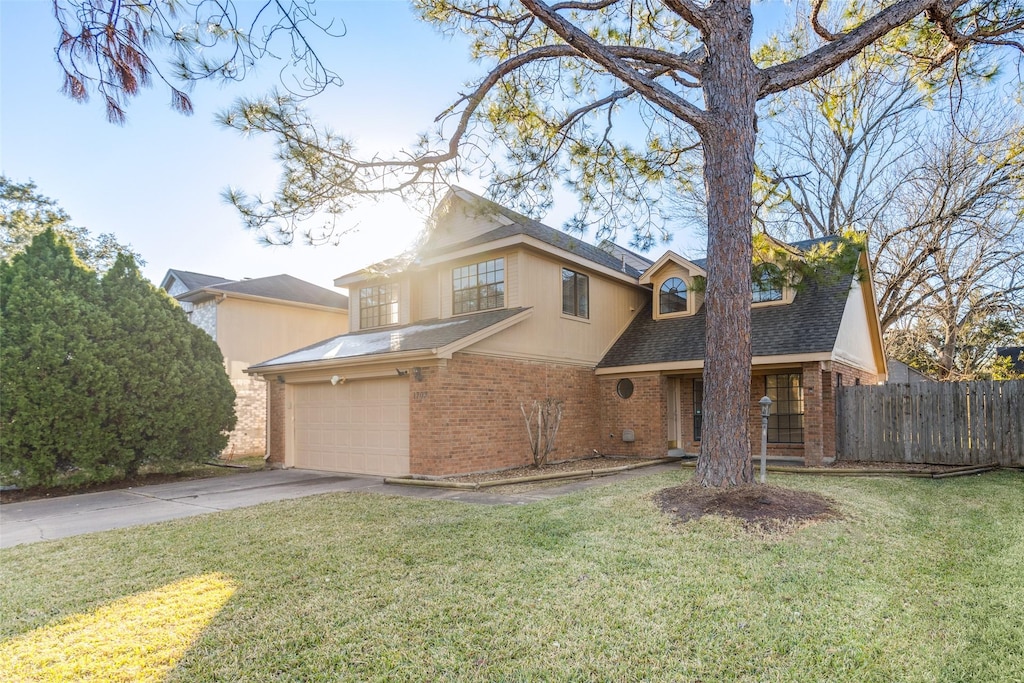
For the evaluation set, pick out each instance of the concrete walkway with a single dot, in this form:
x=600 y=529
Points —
x=43 y=520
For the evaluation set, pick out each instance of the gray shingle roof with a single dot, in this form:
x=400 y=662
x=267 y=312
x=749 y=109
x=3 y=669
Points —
x=802 y=245
x=282 y=287
x=522 y=225
x=808 y=325
x=421 y=336
x=611 y=255
x=195 y=280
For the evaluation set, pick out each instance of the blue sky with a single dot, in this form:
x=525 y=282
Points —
x=156 y=182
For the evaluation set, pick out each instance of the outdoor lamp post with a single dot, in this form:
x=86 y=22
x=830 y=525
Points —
x=766 y=410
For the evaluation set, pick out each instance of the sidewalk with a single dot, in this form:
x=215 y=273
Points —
x=43 y=520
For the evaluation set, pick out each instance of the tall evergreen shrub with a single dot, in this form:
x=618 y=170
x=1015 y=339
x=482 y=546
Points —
x=101 y=377
x=178 y=402
x=56 y=383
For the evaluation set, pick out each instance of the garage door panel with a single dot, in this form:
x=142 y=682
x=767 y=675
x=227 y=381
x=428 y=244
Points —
x=360 y=427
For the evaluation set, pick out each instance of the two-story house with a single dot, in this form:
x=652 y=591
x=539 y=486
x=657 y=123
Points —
x=497 y=310
x=252 y=320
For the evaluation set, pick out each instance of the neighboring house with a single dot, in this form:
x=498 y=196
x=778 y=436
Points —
x=497 y=310
x=1015 y=354
x=253 y=320
x=901 y=373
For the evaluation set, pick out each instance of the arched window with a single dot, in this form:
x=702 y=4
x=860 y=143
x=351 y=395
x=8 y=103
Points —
x=767 y=283
x=672 y=298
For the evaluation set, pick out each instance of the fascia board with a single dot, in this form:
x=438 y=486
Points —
x=272 y=300
x=397 y=356
x=698 y=364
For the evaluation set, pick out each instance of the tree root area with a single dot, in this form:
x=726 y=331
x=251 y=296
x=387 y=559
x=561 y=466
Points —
x=756 y=506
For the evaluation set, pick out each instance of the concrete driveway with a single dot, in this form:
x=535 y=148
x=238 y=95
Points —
x=43 y=520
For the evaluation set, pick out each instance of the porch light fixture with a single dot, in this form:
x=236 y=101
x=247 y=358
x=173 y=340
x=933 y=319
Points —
x=336 y=380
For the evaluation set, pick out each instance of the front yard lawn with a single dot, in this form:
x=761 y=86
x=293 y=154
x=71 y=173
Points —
x=920 y=580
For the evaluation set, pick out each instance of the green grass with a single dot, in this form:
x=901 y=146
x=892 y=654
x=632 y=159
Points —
x=921 y=581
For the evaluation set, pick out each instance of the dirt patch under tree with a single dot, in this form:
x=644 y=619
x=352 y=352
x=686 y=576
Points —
x=755 y=505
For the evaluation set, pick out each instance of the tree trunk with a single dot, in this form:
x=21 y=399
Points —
x=730 y=83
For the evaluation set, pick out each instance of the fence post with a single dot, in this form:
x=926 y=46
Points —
x=907 y=427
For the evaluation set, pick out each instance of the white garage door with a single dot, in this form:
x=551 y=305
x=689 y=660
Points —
x=360 y=426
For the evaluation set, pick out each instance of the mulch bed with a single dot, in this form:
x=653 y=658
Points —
x=757 y=506
x=566 y=467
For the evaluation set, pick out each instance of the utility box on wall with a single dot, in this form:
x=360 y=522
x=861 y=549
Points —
x=628 y=436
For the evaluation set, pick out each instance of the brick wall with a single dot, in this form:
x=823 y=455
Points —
x=645 y=412
x=250 y=434
x=276 y=424
x=465 y=416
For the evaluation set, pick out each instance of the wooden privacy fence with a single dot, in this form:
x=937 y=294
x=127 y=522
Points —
x=949 y=423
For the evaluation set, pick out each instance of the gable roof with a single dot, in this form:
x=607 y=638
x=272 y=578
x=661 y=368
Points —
x=522 y=225
x=279 y=287
x=645 y=278
x=810 y=324
x=438 y=337
x=514 y=224
x=191 y=280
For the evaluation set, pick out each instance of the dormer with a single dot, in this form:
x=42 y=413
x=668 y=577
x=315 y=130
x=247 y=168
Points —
x=773 y=277
x=677 y=285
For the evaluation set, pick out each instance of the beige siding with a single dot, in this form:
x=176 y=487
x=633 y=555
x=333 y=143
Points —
x=462 y=222
x=249 y=332
x=853 y=343
x=512 y=280
x=550 y=335
x=426 y=296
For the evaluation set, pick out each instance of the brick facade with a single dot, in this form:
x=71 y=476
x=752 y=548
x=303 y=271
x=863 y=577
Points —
x=465 y=416
x=276 y=422
x=249 y=437
x=645 y=413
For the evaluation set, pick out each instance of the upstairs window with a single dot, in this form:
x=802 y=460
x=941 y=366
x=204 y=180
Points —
x=767 y=284
x=378 y=306
x=478 y=287
x=672 y=298
x=575 y=294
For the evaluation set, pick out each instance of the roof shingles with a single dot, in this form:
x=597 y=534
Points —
x=810 y=324
x=281 y=287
